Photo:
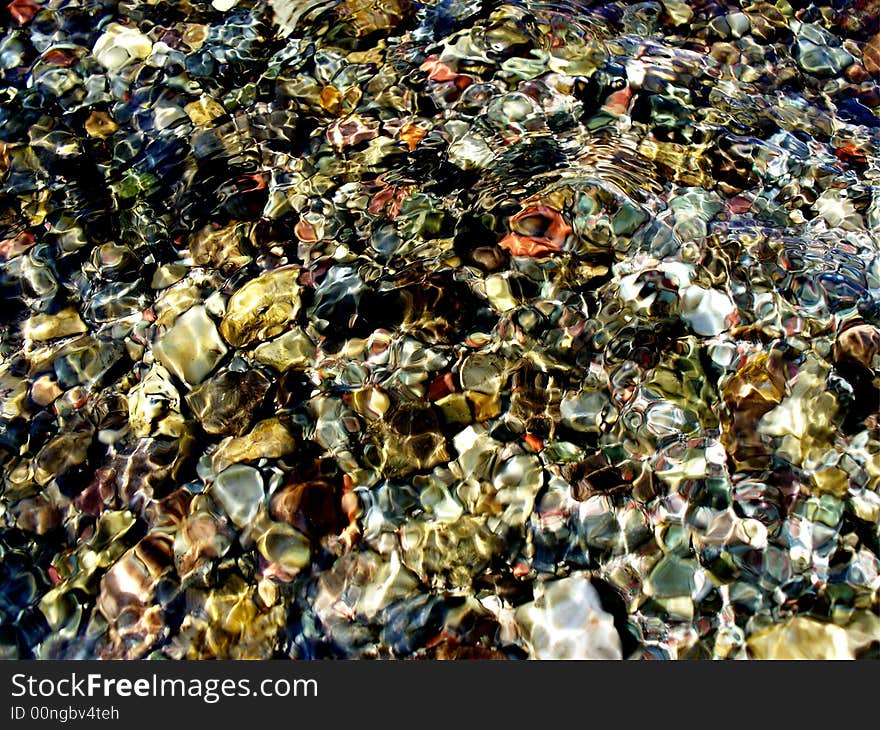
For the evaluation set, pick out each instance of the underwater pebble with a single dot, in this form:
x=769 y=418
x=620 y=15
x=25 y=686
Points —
x=192 y=347
x=239 y=491
x=569 y=623
x=261 y=308
x=120 y=45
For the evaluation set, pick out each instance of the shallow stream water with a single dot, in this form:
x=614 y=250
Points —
x=442 y=329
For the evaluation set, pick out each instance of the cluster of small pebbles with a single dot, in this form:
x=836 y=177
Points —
x=440 y=329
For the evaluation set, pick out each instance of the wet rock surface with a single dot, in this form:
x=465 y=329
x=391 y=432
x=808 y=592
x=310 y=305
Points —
x=441 y=329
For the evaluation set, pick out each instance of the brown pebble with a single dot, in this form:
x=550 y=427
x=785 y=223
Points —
x=871 y=56
x=44 y=391
x=489 y=258
x=857 y=74
x=870 y=97
x=726 y=53
x=100 y=125
x=859 y=344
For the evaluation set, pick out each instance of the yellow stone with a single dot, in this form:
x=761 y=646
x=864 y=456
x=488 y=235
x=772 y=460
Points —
x=454 y=408
x=679 y=608
x=191 y=348
x=43 y=327
x=13 y=391
x=371 y=403
x=284 y=545
x=269 y=439
x=262 y=308
x=800 y=638
x=203 y=111
x=498 y=293
x=331 y=99
x=485 y=406
x=100 y=125
x=832 y=481
x=291 y=351
x=678 y=11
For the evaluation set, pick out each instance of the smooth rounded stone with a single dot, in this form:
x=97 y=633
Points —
x=482 y=374
x=671 y=577
x=739 y=24
x=860 y=345
x=61 y=454
x=285 y=546
x=801 y=637
x=132 y=579
x=43 y=327
x=678 y=10
x=120 y=45
x=100 y=125
x=568 y=622
x=371 y=403
x=175 y=301
x=584 y=411
x=239 y=491
x=262 y=308
x=268 y=439
x=226 y=403
x=204 y=536
x=706 y=310
x=44 y=391
x=291 y=351
x=499 y=294
x=816 y=57
x=313 y=507
x=191 y=348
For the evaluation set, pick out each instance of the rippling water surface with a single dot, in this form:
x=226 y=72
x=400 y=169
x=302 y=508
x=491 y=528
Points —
x=442 y=329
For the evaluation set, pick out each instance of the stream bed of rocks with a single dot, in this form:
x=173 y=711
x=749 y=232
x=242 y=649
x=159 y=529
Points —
x=447 y=329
